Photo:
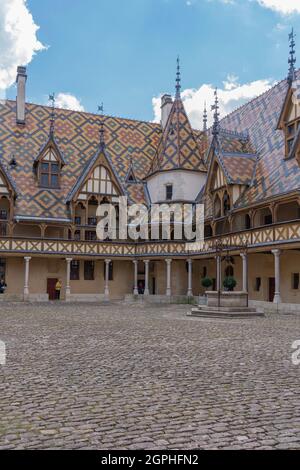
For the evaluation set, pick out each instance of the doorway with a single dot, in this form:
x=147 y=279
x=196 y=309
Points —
x=271 y=288
x=51 y=283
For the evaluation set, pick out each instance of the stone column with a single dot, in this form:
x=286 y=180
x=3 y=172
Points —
x=68 y=287
x=135 y=287
x=168 y=291
x=277 y=296
x=26 y=281
x=106 y=286
x=219 y=277
x=146 y=291
x=245 y=271
x=190 y=274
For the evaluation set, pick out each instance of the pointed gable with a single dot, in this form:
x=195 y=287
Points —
x=7 y=185
x=178 y=147
x=50 y=152
x=98 y=178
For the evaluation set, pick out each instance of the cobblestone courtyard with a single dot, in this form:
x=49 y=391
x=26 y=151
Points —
x=131 y=377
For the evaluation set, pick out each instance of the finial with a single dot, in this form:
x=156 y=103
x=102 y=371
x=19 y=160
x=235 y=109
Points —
x=178 y=79
x=292 y=58
x=205 y=118
x=52 y=118
x=102 y=131
x=215 y=108
x=101 y=108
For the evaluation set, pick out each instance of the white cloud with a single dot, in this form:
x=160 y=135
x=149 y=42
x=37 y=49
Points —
x=231 y=96
x=286 y=7
x=18 y=39
x=68 y=101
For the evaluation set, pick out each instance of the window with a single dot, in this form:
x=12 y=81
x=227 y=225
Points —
x=3 y=214
x=290 y=134
x=92 y=221
x=77 y=220
x=2 y=268
x=257 y=284
x=214 y=284
x=204 y=272
x=89 y=268
x=90 y=236
x=169 y=192
x=295 y=281
x=75 y=268
x=49 y=174
x=110 y=271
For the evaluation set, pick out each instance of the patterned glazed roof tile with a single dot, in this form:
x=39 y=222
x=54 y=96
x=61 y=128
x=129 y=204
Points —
x=77 y=135
x=273 y=174
x=240 y=168
x=136 y=193
x=179 y=146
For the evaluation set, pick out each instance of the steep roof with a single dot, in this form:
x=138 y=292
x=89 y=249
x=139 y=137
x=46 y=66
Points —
x=77 y=135
x=237 y=156
x=273 y=174
x=178 y=147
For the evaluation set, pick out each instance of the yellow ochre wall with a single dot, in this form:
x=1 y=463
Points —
x=260 y=265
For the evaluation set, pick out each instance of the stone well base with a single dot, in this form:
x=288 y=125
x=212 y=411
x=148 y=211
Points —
x=227 y=299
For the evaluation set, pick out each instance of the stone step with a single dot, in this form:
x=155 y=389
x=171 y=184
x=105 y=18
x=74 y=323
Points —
x=221 y=314
x=224 y=309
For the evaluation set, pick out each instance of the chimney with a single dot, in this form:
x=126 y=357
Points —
x=21 y=89
x=166 y=106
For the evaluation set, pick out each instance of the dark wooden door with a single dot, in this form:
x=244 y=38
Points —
x=51 y=288
x=271 y=288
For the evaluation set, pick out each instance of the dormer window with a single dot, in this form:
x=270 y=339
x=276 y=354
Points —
x=49 y=174
x=291 y=131
x=48 y=164
x=169 y=192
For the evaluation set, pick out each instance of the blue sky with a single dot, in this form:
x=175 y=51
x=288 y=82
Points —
x=124 y=52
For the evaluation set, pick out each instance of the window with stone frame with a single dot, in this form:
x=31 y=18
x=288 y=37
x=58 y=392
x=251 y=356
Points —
x=169 y=192
x=89 y=270
x=75 y=270
x=2 y=268
x=295 y=281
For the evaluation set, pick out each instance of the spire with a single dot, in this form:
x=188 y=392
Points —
x=205 y=118
x=292 y=58
x=215 y=108
x=178 y=79
x=52 y=118
x=102 y=131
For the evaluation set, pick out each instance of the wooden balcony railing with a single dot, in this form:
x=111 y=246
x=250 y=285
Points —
x=287 y=232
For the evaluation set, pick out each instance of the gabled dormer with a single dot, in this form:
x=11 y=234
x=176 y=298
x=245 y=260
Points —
x=8 y=193
x=289 y=119
x=98 y=180
x=130 y=176
x=48 y=165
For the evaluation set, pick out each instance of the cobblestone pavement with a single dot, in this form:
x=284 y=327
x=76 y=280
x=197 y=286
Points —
x=135 y=377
